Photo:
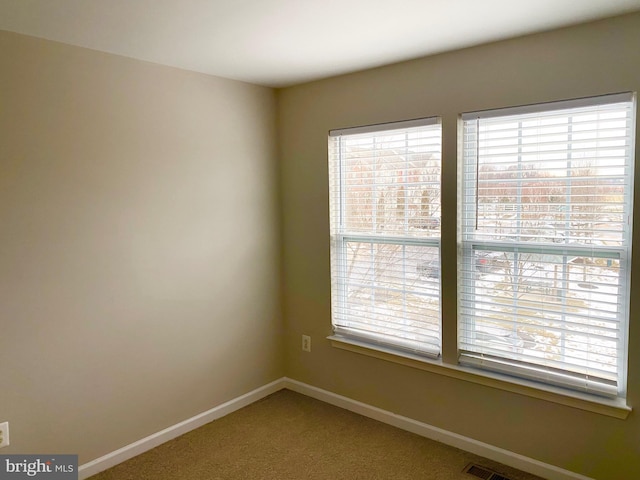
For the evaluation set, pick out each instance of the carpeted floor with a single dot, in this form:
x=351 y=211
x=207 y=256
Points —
x=291 y=436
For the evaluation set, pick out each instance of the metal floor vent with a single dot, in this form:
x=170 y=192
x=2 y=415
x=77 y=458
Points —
x=483 y=473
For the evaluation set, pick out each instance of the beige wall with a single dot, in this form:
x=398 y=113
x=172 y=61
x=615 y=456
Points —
x=133 y=195
x=598 y=58
x=139 y=257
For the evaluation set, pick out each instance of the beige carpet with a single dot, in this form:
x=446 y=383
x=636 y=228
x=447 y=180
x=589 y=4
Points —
x=291 y=436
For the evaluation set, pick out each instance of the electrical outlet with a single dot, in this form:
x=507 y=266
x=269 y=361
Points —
x=4 y=434
x=306 y=343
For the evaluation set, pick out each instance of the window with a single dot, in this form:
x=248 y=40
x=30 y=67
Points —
x=385 y=234
x=546 y=233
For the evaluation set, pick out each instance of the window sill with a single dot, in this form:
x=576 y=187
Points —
x=616 y=408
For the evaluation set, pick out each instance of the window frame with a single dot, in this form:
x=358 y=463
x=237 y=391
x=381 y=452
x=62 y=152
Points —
x=469 y=245
x=341 y=237
x=447 y=364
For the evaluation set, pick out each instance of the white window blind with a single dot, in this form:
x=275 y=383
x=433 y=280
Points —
x=546 y=236
x=385 y=234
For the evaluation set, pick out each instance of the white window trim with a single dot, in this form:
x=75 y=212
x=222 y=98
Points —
x=340 y=239
x=500 y=364
x=415 y=122
x=547 y=106
x=611 y=407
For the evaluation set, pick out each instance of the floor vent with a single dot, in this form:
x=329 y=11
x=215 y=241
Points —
x=483 y=473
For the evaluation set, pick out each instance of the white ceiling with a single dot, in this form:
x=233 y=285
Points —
x=284 y=42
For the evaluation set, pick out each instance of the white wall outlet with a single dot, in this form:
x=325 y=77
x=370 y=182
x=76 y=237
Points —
x=306 y=343
x=4 y=434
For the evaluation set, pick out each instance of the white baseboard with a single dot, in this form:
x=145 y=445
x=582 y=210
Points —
x=497 y=454
x=136 y=448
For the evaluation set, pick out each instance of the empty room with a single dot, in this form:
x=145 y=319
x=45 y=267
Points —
x=290 y=239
